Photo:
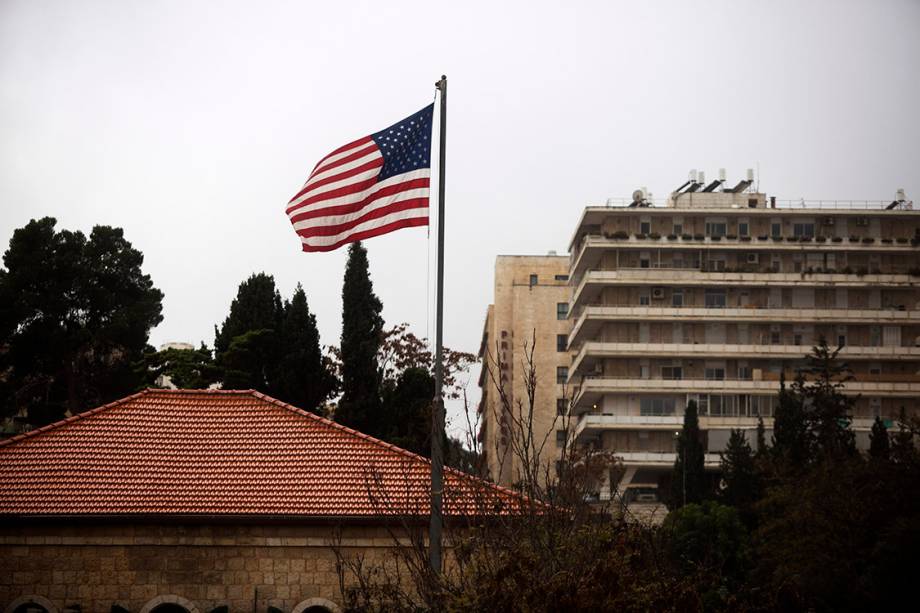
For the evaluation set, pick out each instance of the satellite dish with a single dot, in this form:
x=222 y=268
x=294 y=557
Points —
x=638 y=196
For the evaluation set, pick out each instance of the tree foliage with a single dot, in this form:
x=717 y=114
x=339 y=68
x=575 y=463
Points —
x=185 y=368
x=688 y=481
x=75 y=315
x=362 y=326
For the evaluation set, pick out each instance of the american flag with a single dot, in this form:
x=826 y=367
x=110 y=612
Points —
x=368 y=187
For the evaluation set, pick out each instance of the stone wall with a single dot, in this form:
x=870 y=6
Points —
x=246 y=567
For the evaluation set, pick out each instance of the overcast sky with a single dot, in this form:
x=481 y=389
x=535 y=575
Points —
x=190 y=125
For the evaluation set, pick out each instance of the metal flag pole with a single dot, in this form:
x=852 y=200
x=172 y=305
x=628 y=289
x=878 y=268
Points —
x=437 y=413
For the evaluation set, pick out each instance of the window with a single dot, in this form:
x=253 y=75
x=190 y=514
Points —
x=776 y=228
x=875 y=368
x=715 y=373
x=656 y=406
x=776 y=263
x=677 y=297
x=533 y=280
x=645 y=226
x=744 y=228
x=803 y=229
x=562 y=310
x=644 y=297
x=774 y=337
x=875 y=407
x=678 y=229
x=560 y=437
x=672 y=373
x=562 y=277
x=643 y=371
x=744 y=373
x=562 y=406
x=715 y=299
x=562 y=374
x=562 y=342
x=504 y=344
x=716 y=228
x=645 y=259
x=716 y=263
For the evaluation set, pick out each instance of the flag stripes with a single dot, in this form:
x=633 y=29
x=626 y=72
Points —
x=368 y=187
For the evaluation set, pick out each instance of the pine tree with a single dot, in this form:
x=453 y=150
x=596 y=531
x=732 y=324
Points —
x=828 y=411
x=362 y=328
x=688 y=483
x=879 y=443
x=302 y=377
x=790 y=432
x=739 y=474
x=247 y=347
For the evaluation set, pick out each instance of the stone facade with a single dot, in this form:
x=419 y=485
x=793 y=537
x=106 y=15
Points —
x=529 y=293
x=246 y=567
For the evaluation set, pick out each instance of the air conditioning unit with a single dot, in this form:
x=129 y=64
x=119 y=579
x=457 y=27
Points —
x=658 y=293
x=753 y=258
x=829 y=221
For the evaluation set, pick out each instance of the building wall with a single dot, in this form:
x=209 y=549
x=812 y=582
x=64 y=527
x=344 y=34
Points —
x=96 y=566
x=524 y=317
x=690 y=284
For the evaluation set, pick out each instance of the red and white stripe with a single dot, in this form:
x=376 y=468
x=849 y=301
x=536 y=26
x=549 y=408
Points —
x=343 y=202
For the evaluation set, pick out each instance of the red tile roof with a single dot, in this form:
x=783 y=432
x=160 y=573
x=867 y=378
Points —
x=197 y=452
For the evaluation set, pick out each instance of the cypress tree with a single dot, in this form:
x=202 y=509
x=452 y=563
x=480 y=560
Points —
x=302 y=378
x=688 y=482
x=761 y=438
x=828 y=410
x=879 y=443
x=362 y=328
x=257 y=306
x=739 y=474
x=790 y=430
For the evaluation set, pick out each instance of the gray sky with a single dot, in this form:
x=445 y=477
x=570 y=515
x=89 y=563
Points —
x=190 y=125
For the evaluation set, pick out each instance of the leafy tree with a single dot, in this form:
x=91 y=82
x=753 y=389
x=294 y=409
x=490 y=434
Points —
x=406 y=403
x=186 y=368
x=708 y=535
x=250 y=361
x=879 y=443
x=739 y=473
x=303 y=377
x=688 y=481
x=362 y=327
x=75 y=315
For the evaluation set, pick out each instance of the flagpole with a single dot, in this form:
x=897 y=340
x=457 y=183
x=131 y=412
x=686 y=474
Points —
x=437 y=413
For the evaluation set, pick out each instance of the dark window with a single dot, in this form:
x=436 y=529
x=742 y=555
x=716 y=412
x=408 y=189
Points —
x=645 y=227
x=562 y=310
x=533 y=280
x=562 y=277
x=562 y=405
x=562 y=374
x=562 y=342
x=743 y=229
x=776 y=229
x=560 y=437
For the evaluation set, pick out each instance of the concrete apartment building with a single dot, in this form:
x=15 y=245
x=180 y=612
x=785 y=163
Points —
x=712 y=296
x=532 y=295
x=707 y=298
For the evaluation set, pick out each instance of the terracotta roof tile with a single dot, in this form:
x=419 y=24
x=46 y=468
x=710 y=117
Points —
x=206 y=452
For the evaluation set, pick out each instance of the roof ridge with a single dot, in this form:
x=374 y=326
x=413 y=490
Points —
x=73 y=418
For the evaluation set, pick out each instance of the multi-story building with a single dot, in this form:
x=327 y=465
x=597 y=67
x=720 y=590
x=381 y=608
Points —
x=715 y=294
x=528 y=322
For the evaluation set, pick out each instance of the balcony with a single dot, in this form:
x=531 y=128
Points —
x=592 y=317
x=591 y=424
x=589 y=289
x=593 y=246
x=593 y=388
x=662 y=459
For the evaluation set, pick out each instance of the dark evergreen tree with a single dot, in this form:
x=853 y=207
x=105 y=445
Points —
x=362 y=328
x=761 y=438
x=247 y=347
x=257 y=306
x=879 y=443
x=903 y=448
x=407 y=404
x=739 y=475
x=828 y=410
x=75 y=315
x=688 y=481
x=303 y=378
x=790 y=432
